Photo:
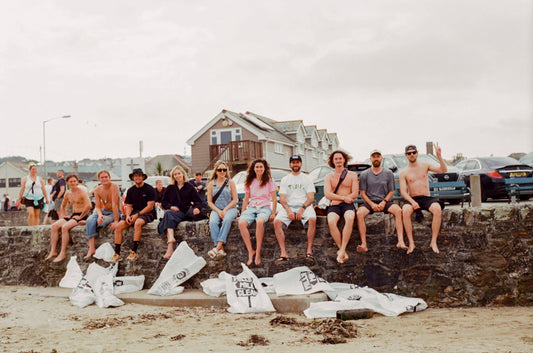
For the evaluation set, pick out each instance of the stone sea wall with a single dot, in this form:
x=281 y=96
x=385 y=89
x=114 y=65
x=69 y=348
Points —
x=486 y=256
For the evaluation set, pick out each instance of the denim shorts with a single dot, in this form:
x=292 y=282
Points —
x=251 y=213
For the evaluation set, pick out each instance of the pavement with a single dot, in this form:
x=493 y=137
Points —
x=192 y=298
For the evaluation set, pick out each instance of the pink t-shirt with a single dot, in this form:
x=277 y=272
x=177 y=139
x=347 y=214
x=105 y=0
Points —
x=260 y=195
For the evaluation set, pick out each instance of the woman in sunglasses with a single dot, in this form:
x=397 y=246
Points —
x=260 y=194
x=34 y=194
x=222 y=198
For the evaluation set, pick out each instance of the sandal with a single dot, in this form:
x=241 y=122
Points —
x=282 y=259
x=309 y=257
x=212 y=253
x=221 y=253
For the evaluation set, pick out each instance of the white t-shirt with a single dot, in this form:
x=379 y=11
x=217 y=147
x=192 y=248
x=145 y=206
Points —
x=296 y=188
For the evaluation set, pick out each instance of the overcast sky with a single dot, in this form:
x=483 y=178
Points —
x=379 y=73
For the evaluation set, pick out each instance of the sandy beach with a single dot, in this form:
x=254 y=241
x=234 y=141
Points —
x=31 y=322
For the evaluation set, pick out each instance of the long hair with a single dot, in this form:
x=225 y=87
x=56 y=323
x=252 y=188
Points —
x=344 y=154
x=214 y=175
x=182 y=171
x=251 y=173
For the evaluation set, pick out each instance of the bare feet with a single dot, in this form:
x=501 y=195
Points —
x=342 y=256
x=60 y=258
x=171 y=240
x=52 y=254
x=250 y=258
x=362 y=248
x=89 y=254
x=401 y=245
x=434 y=247
x=411 y=248
x=257 y=259
x=168 y=254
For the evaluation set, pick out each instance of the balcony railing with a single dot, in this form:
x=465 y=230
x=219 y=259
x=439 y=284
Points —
x=235 y=152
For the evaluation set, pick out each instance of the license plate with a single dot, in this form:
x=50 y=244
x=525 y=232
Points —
x=517 y=174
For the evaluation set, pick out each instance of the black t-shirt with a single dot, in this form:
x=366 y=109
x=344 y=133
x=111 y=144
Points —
x=57 y=188
x=139 y=197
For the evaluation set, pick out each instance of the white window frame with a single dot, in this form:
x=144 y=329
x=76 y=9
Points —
x=236 y=135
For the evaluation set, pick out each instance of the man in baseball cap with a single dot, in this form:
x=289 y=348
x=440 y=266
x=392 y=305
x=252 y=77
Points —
x=377 y=189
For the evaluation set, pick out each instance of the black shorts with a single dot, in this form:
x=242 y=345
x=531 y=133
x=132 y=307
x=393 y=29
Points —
x=147 y=217
x=68 y=218
x=341 y=208
x=425 y=201
x=30 y=203
x=387 y=206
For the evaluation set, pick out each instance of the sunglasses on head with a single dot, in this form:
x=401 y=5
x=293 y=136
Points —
x=410 y=153
x=222 y=170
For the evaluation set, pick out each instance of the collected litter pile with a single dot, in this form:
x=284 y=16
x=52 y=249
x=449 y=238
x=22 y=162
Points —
x=245 y=292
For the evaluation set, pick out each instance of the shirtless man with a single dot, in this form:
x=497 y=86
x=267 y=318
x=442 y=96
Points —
x=377 y=189
x=106 y=209
x=414 y=187
x=341 y=201
x=81 y=206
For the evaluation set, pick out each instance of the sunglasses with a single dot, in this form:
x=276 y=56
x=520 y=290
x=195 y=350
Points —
x=222 y=170
x=410 y=153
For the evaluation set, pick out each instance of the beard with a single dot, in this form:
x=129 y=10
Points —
x=296 y=168
x=376 y=163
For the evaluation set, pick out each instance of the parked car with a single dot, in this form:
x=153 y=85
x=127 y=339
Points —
x=396 y=162
x=318 y=174
x=492 y=172
x=527 y=159
x=152 y=179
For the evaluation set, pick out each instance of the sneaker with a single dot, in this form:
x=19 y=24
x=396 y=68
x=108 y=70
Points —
x=116 y=257
x=132 y=256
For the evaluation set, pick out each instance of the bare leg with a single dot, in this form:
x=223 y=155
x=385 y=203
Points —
x=54 y=236
x=138 y=229
x=280 y=236
x=311 y=231
x=435 y=225
x=245 y=234
x=170 y=243
x=408 y=225
x=333 y=219
x=349 y=218
x=92 y=248
x=30 y=216
x=259 y=234
x=36 y=213
x=362 y=212
x=220 y=246
x=65 y=237
x=397 y=212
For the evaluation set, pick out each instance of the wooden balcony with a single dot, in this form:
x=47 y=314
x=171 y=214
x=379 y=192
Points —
x=237 y=154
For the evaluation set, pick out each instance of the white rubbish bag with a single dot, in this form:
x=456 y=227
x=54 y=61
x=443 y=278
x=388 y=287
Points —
x=94 y=271
x=104 y=252
x=339 y=287
x=182 y=265
x=299 y=280
x=128 y=284
x=82 y=295
x=245 y=293
x=73 y=275
x=268 y=284
x=103 y=291
x=215 y=287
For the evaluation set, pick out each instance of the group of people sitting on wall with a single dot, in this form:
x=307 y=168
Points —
x=183 y=200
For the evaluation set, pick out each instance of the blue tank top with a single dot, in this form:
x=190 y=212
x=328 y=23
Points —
x=224 y=198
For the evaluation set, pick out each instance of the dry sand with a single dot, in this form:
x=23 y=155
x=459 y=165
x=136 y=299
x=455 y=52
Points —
x=30 y=322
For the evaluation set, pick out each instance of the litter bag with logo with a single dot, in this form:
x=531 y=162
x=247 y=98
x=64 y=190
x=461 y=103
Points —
x=82 y=295
x=245 y=293
x=299 y=280
x=182 y=265
x=128 y=284
x=103 y=291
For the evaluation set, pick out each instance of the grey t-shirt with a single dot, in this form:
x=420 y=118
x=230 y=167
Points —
x=377 y=186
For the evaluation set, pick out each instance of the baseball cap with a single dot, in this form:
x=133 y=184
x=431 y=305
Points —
x=410 y=148
x=295 y=157
x=375 y=151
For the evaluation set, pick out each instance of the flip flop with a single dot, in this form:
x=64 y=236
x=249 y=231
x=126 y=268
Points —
x=309 y=257
x=212 y=253
x=282 y=259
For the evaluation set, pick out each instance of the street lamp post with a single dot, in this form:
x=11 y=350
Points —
x=44 y=141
